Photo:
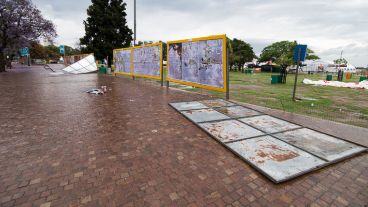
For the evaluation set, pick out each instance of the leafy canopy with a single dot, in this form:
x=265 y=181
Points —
x=49 y=52
x=283 y=53
x=341 y=61
x=20 y=24
x=106 y=28
x=240 y=52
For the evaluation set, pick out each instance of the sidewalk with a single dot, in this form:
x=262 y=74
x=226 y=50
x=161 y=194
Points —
x=60 y=146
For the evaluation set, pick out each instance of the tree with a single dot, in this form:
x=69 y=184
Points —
x=311 y=55
x=144 y=43
x=21 y=23
x=229 y=49
x=37 y=51
x=106 y=28
x=341 y=61
x=242 y=52
x=283 y=53
x=53 y=52
x=164 y=50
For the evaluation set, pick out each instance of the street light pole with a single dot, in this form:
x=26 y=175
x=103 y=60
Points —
x=135 y=22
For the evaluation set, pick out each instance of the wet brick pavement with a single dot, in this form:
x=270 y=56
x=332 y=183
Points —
x=60 y=146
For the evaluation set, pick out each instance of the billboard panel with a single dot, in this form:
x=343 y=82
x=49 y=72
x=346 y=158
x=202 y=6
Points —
x=122 y=60
x=147 y=61
x=199 y=62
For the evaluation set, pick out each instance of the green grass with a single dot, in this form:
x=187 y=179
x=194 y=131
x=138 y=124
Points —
x=337 y=104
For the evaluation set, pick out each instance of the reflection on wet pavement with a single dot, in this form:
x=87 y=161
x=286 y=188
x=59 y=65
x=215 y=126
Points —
x=60 y=146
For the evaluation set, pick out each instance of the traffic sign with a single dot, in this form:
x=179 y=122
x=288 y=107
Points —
x=62 y=49
x=24 y=51
x=300 y=53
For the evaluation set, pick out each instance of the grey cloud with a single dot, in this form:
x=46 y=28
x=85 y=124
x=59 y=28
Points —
x=325 y=25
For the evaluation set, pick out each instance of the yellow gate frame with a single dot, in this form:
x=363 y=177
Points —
x=132 y=61
x=198 y=85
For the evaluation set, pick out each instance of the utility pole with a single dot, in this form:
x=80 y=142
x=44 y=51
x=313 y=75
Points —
x=135 y=22
x=341 y=54
x=296 y=74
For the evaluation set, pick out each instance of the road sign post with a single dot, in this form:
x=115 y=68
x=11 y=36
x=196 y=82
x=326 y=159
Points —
x=24 y=52
x=300 y=53
x=62 y=52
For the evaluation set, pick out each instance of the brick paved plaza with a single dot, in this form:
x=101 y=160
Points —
x=60 y=146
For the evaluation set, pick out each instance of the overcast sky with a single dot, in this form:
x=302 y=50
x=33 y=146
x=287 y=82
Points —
x=326 y=26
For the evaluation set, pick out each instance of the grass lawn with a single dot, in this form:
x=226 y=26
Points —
x=344 y=105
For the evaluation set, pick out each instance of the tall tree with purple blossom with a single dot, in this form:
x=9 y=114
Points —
x=20 y=24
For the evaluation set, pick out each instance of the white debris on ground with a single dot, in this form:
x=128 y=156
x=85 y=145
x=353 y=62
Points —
x=360 y=85
x=95 y=91
x=98 y=91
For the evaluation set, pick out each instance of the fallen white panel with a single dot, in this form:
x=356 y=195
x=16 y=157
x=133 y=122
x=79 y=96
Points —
x=269 y=124
x=237 y=111
x=85 y=65
x=217 y=103
x=276 y=159
x=204 y=115
x=362 y=84
x=188 y=105
x=322 y=145
x=230 y=130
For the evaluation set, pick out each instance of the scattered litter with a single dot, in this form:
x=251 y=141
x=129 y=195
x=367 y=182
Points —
x=361 y=85
x=95 y=91
x=104 y=88
x=154 y=131
x=131 y=100
x=99 y=91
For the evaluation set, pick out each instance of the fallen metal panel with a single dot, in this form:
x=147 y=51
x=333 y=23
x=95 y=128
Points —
x=188 y=105
x=281 y=155
x=276 y=159
x=217 y=103
x=85 y=65
x=322 y=145
x=269 y=124
x=230 y=130
x=238 y=111
x=204 y=115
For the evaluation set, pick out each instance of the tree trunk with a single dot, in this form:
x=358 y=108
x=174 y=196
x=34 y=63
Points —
x=2 y=61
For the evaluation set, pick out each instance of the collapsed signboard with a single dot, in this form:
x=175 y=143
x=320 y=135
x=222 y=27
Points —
x=279 y=149
x=198 y=62
x=141 y=61
x=85 y=65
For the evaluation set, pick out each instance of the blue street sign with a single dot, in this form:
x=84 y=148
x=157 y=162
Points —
x=62 y=49
x=24 y=51
x=303 y=52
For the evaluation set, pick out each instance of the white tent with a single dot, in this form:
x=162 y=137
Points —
x=315 y=65
x=333 y=68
